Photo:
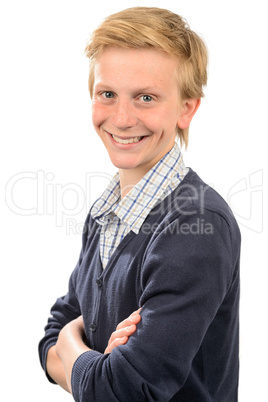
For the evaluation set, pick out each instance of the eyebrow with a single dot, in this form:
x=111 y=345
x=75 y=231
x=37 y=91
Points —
x=102 y=85
x=148 y=89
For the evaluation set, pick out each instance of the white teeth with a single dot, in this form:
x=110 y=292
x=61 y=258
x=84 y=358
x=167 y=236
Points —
x=129 y=141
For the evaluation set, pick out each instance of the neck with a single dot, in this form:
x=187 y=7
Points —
x=129 y=178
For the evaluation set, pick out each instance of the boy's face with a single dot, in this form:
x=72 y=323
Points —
x=136 y=106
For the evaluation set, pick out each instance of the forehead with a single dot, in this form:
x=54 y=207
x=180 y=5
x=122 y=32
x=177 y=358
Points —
x=144 y=66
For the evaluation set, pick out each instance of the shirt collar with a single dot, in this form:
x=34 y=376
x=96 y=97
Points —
x=137 y=204
x=104 y=205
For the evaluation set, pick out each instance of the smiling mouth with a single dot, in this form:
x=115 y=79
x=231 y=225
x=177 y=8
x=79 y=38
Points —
x=126 y=141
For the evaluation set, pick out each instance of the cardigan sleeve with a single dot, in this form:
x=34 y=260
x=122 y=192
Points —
x=64 y=310
x=187 y=273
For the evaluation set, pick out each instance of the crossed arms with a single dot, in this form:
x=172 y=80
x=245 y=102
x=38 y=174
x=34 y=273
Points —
x=62 y=356
x=188 y=288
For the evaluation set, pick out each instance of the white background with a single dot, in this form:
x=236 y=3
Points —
x=50 y=158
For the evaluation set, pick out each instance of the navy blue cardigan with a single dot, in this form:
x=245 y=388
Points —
x=183 y=270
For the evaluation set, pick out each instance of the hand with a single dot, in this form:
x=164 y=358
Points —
x=55 y=366
x=70 y=346
x=70 y=334
x=123 y=331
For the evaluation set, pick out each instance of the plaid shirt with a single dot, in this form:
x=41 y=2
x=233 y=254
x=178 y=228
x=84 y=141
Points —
x=118 y=217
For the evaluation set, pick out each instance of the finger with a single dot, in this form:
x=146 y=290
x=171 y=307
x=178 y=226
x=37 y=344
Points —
x=136 y=312
x=115 y=343
x=120 y=333
x=134 y=318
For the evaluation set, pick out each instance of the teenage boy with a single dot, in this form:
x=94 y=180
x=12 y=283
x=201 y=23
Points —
x=159 y=247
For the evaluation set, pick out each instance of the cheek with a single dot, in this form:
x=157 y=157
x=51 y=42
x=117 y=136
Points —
x=98 y=114
x=153 y=121
x=163 y=120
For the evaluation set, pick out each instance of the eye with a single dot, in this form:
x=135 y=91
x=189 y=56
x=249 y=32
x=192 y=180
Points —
x=146 y=98
x=108 y=94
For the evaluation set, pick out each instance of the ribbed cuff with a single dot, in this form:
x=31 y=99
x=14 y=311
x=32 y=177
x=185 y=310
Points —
x=81 y=366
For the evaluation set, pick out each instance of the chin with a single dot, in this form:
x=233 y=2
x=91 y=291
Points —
x=123 y=163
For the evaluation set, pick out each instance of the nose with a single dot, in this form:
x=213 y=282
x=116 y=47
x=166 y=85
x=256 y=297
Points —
x=124 y=116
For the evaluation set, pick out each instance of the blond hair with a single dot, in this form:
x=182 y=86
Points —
x=151 y=27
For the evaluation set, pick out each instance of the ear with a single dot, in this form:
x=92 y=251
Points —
x=189 y=109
